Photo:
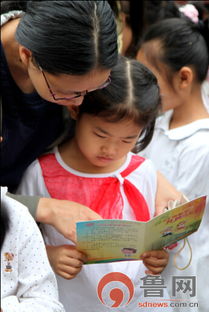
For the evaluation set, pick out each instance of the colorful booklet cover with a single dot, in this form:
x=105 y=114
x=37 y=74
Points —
x=117 y=240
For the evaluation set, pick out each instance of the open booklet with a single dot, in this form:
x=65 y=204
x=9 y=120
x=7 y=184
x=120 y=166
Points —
x=117 y=240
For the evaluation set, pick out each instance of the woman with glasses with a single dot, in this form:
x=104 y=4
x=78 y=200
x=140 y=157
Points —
x=53 y=53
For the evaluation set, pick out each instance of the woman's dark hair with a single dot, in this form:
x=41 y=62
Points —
x=4 y=224
x=132 y=94
x=68 y=37
x=179 y=42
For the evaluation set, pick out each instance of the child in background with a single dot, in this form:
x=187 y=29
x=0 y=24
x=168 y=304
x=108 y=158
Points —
x=136 y=16
x=177 y=53
x=198 y=13
x=27 y=280
x=97 y=168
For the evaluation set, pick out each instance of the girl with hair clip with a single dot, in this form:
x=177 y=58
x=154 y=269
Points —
x=96 y=168
x=176 y=51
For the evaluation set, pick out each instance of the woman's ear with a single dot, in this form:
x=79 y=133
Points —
x=73 y=110
x=25 y=55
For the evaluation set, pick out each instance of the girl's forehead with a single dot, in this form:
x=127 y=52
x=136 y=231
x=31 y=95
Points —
x=124 y=127
x=151 y=57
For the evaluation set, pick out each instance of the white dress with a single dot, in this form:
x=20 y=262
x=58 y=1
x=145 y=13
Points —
x=182 y=155
x=28 y=283
x=80 y=293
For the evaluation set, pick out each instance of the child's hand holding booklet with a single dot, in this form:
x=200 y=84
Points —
x=116 y=240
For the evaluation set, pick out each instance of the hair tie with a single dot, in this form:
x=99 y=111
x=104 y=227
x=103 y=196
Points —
x=191 y=12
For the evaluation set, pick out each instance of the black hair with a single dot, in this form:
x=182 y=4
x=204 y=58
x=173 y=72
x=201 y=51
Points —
x=159 y=10
x=69 y=37
x=179 y=42
x=114 y=6
x=4 y=224
x=141 y=14
x=132 y=94
x=7 y=6
x=134 y=11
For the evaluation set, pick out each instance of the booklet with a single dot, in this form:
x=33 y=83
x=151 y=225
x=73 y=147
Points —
x=117 y=240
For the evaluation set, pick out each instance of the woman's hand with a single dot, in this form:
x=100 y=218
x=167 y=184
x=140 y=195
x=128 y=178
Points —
x=165 y=192
x=63 y=215
x=155 y=261
x=66 y=260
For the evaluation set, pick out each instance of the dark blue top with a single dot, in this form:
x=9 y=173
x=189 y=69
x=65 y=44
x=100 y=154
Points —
x=30 y=124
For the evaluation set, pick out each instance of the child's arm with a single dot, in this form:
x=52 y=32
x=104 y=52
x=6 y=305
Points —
x=155 y=261
x=165 y=192
x=66 y=260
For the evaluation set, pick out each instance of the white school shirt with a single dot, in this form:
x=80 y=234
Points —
x=80 y=293
x=28 y=283
x=182 y=155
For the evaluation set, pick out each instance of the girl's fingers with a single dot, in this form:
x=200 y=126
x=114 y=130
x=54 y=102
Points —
x=67 y=271
x=72 y=252
x=68 y=261
x=155 y=262
x=148 y=272
x=154 y=270
x=66 y=275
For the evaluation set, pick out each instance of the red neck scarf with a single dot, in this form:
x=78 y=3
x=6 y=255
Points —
x=101 y=194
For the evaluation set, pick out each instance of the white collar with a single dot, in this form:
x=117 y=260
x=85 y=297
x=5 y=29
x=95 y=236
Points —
x=183 y=131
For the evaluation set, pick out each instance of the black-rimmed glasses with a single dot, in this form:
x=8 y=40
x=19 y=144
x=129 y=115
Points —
x=76 y=94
